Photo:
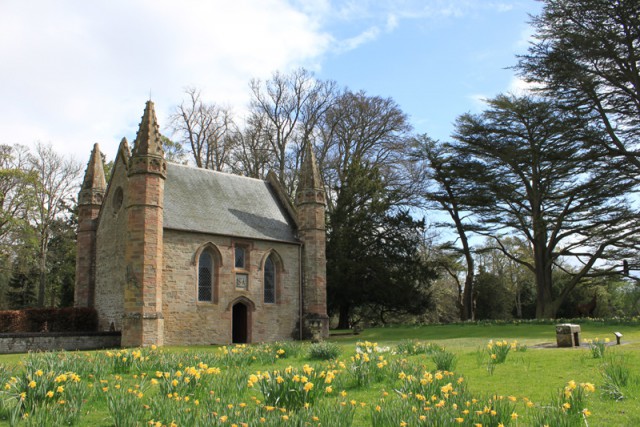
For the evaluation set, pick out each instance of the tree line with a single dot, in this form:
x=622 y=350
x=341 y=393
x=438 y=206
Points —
x=537 y=194
x=38 y=188
x=555 y=170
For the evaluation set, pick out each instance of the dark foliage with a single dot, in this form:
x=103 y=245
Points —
x=493 y=299
x=586 y=54
x=22 y=284
x=69 y=319
x=374 y=252
x=62 y=261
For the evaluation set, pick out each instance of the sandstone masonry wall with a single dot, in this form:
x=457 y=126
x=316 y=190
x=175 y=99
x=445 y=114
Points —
x=110 y=263
x=189 y=322
x=25 y=342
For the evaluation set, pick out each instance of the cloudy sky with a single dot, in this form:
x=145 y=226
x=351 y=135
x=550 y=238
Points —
x=76 y=72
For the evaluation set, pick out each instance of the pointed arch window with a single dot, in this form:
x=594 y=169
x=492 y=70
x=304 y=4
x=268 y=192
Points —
x=206 y=277
x=269 y=280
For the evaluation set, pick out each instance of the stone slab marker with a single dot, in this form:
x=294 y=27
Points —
x=568 y=335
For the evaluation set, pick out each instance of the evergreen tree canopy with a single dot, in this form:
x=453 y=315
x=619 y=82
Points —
x=586 y=53
x=374 y=251
x=538 y=173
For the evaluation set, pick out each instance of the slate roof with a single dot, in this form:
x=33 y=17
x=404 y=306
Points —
x=218 y=203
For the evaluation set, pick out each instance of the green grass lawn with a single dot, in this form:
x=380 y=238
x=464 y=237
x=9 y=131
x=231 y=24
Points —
x=537 y=374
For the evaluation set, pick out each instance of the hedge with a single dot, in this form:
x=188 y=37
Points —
x=69 y=319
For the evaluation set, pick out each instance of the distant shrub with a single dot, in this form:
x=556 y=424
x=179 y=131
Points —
x=615 y=320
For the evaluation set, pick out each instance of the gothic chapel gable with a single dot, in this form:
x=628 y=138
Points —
x=175 y=255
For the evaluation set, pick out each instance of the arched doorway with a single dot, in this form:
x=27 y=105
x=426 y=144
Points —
x=240 y=324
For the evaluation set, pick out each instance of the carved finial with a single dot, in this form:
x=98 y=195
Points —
x=309 y=173
x=94 y=184
x=148 y=140
x=310 y=188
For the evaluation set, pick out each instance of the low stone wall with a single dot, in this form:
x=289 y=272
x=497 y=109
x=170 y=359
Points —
x=48 y=341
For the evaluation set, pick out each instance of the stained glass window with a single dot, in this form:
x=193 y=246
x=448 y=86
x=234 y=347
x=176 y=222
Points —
x=240 y=257
x=269 y=281
x=205 y=277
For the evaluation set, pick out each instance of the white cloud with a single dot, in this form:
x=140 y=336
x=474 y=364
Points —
x=75 y=73
x=519 y=87
x=392 y=22
x=478 y=101
x=502 y=7
x=78 y=72
x=526 y=38
x=354 y=42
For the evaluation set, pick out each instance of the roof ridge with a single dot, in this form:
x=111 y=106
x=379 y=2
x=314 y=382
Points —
x=215 y=172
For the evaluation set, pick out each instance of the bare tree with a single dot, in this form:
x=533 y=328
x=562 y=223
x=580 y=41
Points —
x=204 y=129
x=367 y=130
x=57 y=183
x=292 y=106
x=250 y=150
x=374 y=245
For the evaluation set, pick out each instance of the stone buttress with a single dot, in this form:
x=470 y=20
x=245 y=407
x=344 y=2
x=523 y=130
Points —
x=143 y=321
x=310 y=205
x=90 y=200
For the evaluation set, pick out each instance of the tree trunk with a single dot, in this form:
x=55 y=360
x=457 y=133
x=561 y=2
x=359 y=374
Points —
x=467 y=297
x=542 y=261
x=468 y=309
x=459 y=302
x=343 y=319
x=518 y=302
x=543 y=288
x=545 y=306
x=42 y=279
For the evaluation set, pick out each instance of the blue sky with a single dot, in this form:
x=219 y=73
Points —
x=78 y=72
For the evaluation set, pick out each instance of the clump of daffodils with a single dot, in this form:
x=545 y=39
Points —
x=597 y=347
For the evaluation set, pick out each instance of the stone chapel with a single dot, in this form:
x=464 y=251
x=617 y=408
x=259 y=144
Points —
x=170 y=254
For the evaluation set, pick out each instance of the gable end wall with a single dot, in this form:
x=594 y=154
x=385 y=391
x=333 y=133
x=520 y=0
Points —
x=189 y=322
x=110 y=263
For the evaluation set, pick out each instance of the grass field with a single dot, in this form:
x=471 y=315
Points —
x=378 y=386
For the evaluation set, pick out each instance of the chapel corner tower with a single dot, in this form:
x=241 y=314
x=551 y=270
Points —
x=310 y=205
x=90 y=200
x=143 y=320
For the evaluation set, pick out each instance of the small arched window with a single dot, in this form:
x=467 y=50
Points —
x=269 y=280
x=206 y=277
